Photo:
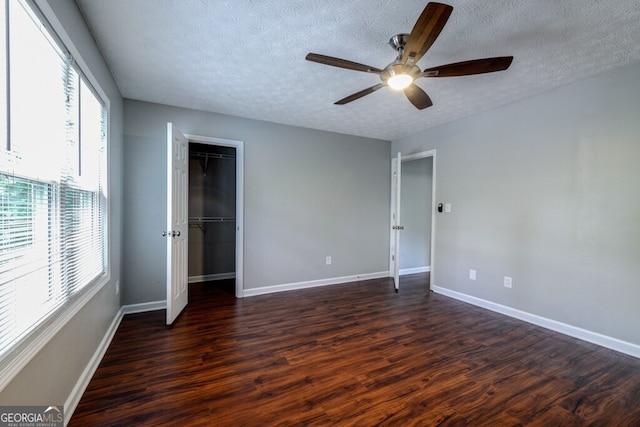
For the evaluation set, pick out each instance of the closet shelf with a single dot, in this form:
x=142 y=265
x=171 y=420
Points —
x=211 y=155
x=204 y=158
x=202 y=221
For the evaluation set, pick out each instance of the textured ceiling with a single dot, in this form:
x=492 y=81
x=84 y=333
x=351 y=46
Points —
x=246 y=57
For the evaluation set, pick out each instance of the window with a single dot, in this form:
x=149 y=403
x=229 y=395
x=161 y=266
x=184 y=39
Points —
x=53 y=195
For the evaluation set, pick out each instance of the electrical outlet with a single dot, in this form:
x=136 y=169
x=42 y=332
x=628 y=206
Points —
x=508 y=282
x=472 y=274
x=328 y=260
x=117 y=287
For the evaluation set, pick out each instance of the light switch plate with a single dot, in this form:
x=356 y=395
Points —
x=508 y=282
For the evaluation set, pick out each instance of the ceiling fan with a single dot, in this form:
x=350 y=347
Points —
x=402 y=73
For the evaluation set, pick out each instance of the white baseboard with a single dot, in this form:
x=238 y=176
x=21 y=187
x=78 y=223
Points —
x=415 y=270
x=312 y=284
x=144 y=307
x=81 y=385
x=563 y=328
x=210 y=277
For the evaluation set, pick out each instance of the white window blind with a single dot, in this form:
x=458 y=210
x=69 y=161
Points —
x=53 y=195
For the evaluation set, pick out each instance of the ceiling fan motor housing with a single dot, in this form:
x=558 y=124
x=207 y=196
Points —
x=397 y=68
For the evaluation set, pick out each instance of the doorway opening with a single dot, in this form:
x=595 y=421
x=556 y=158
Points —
x=215 y=213
x=412 y=215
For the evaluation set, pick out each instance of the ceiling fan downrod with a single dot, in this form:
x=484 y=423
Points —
x=399 y=75
x=398 y=43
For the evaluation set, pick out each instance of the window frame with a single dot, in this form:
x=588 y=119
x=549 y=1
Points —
x=16 y=358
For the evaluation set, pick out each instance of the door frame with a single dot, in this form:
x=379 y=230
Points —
x=407 y=158
x=239 y=146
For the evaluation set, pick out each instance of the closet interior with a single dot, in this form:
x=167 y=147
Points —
x=212 y=212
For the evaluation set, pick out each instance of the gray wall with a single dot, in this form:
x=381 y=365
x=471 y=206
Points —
x=308 y=195
x=546 y=190
x=415 y=211
x=54 y=371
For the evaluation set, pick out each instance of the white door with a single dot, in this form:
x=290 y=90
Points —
x=397 y=227
x=177 y=222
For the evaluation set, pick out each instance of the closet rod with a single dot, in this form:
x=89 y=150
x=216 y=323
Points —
x=203 y=158
x=203 y=219
x=211 y=155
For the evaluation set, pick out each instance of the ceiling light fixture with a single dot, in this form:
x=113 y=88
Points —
x=399 y=76
x=400 y=81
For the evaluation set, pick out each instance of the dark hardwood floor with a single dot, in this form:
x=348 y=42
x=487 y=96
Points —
x=357 y=354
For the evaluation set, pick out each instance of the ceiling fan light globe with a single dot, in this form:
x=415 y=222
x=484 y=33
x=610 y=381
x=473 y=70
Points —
x=400 y=81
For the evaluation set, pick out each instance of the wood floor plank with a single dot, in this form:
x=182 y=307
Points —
x=356 y=354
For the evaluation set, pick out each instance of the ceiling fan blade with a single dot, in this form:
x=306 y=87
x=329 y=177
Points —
x=360 y=94
x=341 y=63
x=426 y=31
x=418 y=97
x=466 y=68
